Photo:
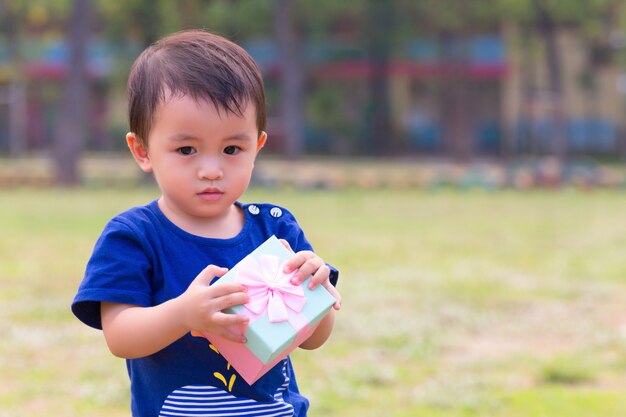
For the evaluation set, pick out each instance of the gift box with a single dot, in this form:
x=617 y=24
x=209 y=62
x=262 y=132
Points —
x=282 y=315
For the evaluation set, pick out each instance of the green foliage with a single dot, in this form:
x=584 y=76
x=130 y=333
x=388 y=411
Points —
x=239 y=20
x=576 y=12
x=319 y=18
x=41 y=11
x=148 y=19
x=325 y=110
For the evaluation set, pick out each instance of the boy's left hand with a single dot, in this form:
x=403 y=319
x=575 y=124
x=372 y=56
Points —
x=307 y=263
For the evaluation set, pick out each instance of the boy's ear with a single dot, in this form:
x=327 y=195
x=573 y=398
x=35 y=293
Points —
x=139 y=151
x=261 y=141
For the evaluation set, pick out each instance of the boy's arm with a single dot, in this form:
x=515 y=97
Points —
x=314 y=265
x=132 y=331
x=308 y=263
x=322 y=333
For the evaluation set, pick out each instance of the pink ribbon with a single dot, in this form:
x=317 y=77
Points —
x=270 y=289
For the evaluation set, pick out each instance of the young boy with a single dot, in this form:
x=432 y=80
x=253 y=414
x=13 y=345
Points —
x=197 y=120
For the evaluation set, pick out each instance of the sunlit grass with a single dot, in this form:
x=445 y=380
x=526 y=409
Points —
x=455 y=303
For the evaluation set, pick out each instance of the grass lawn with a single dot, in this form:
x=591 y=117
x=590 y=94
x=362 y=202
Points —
x=455 y=303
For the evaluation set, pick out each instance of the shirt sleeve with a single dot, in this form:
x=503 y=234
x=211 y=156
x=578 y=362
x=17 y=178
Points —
x=118 y=271
x=292 y=232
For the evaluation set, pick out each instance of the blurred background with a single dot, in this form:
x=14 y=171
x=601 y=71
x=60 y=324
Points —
x=460 y=161
x=506 y=81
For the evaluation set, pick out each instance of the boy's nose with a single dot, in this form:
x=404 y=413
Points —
x=210 y=169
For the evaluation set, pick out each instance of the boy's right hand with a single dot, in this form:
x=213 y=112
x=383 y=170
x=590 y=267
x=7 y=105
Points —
x=203 y=304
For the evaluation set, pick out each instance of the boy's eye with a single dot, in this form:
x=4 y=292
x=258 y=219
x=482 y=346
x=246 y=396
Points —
x=186 y=150
x=231 y=150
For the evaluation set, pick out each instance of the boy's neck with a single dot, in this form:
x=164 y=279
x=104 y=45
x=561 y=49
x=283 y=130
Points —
x=226 y=226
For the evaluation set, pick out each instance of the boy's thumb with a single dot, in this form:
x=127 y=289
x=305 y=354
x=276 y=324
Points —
x=206 y=276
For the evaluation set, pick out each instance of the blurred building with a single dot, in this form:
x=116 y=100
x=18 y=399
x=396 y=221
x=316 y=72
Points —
x=30 y=89
x=502 y=111
x=592 y=102
x=507 y=107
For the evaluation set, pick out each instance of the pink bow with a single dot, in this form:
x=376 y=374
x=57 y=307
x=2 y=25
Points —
x=270 y=288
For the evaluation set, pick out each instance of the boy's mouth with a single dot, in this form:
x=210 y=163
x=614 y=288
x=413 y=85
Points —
x=211 y=193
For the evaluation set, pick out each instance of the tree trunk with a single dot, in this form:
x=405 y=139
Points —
x=455 y=97
x=548 y=31
x=149 y=20
x=292 y=78
x=379 y=36
x=16 y=91
x=74 y=98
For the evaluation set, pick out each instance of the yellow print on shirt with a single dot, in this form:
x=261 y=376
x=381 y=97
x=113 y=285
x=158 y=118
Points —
x=231 y=381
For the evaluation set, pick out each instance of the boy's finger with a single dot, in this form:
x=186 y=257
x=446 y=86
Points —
x=333 y=291
x=297 y=261
x=220 y=290
x=230 y=300
x=286 y=244
x=232 y=326
x=229 y=326
x=232 y=321
x=310 y=267
x=321 y=275
x=233 y=337
x=211 y=271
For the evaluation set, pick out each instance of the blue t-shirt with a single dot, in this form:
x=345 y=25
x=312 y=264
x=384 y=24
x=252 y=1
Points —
x=142 y=258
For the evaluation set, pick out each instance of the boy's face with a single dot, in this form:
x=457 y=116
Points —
x=202 y=158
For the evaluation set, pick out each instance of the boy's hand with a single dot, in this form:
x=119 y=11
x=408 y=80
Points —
x=203 y=305
x=307 y=263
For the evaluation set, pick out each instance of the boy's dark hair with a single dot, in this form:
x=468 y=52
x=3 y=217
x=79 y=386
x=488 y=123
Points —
x=198 y=64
